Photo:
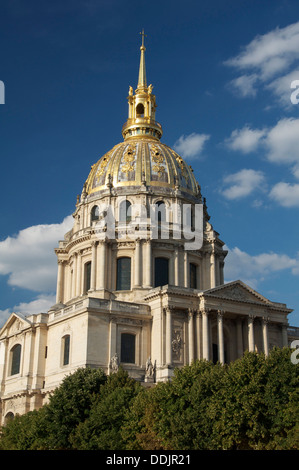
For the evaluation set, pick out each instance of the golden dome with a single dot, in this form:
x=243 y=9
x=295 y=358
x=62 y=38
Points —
x=139 y=162
x=141 y=159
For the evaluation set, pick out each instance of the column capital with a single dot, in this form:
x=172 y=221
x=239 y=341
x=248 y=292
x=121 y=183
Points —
x=168 y=309
x=205 y=311
x=220 y=313
x=191 y=312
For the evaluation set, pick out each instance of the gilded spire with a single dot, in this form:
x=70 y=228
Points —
x=142 y=72
x=141 y=120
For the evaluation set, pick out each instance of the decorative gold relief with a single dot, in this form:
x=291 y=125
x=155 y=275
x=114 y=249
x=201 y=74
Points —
x=128 y=158
x=103 y=164
x=158 y=158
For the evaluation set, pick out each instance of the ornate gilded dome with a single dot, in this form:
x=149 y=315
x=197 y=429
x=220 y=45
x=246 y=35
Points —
x=141 y=162
x=141 y=159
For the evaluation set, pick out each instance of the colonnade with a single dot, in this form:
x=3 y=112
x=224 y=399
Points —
x=70 y=278
x=199 y=334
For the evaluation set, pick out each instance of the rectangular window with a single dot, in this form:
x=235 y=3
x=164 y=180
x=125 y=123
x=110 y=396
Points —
x=66 y=350
x=16 y=359
x=161 y=272
x=87 y=276
x=123 y=281
x=193 y=276
x=127 y=348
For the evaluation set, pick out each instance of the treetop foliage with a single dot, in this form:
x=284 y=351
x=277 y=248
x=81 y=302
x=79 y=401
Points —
x=252 y=403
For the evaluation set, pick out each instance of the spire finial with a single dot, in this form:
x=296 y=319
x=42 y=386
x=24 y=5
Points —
x=143 y=36
x=142 y=73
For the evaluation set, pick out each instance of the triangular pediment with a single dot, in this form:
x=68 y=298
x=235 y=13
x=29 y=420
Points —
x=14 y=324
x=238 y=291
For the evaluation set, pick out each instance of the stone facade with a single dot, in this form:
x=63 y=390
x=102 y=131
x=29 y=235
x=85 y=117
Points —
x=140 y=278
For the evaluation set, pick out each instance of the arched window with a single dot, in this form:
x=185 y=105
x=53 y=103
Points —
x=193 y=276
x=125 y=211
x=15 y=359
x=123 y=280
x=139 y=110
x=161 y=211
x=9 y=417
x=66 y=350
x=161 y=271
x=127 y=353
x=95 y=214
x=87 y=276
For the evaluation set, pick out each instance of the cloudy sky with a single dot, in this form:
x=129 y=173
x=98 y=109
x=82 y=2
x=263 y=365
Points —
x=226 y=78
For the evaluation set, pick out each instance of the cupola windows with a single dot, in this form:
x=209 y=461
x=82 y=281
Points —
x=125 y=211
x=95 y=214
x=139 y=110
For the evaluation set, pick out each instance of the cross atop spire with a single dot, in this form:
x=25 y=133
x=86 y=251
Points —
x=143 y=36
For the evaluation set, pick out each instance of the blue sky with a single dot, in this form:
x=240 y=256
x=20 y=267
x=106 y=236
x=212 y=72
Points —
x=222 y=74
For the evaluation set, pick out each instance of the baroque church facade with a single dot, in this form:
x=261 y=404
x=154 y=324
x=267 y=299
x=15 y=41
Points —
x=140 y=279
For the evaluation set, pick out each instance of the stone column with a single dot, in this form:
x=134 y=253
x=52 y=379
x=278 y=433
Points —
x=74 y=278
x=213 y=269
x=191 y=335
x=239 y=338
x=101 y=264
x=112 y=341
x=220 y=314
x=176 y=266
x=148 y=263
x=265 y=335
x=205 y=335
x=284 y=335
x=137 y=263
x=60 y=282
x=168 y=334
x=93 y=265
x=79 y=274
x=251 y=333
x=198 y=334
x=186 y=273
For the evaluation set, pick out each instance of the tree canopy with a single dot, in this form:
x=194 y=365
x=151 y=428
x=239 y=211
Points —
x=251 y=403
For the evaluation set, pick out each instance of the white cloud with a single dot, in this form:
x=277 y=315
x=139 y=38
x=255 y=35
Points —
x=243 y=183
x=269 y=60
x=245 y=140
x=191 y=145
x=281 y=146
x=28 y=258
x=256 y=268
x=286 y=194
x=282 y=141
x=270 y=53
x=39 y=305
x=245 y=85
x=281 y=88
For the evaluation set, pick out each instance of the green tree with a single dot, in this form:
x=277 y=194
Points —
x=176 y=415
x=102 y=428
x=23 y=432
x=258 y=403
x=69 y=405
